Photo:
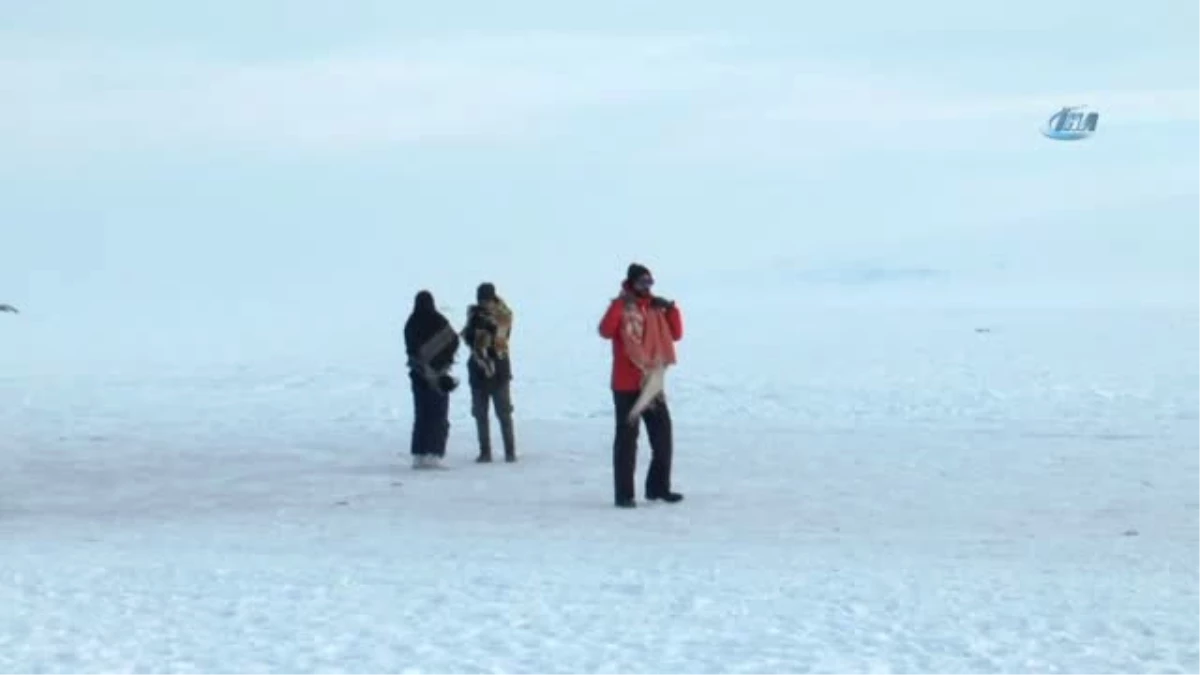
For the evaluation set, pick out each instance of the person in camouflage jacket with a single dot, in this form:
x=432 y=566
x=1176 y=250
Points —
x=489 y=369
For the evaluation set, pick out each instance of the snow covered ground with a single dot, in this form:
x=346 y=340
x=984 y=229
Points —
x=877 y=491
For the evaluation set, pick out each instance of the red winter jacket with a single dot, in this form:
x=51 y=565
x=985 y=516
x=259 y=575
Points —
x=625 y=375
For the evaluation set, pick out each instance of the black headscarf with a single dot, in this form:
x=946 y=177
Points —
x=425 y=322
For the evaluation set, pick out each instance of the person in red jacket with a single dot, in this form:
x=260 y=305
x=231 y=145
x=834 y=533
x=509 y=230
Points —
x=636 y=299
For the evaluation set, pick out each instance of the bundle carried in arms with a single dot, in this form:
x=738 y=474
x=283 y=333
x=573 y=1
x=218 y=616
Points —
x=648 y=342
x=490 y=345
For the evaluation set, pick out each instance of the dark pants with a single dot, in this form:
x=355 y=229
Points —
x=658 y=428
x=431 y=419
x=499 y=395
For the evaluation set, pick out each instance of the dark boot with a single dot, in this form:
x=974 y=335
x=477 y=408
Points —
x=668 y=497
x=509 y=437
x=502 y=402
x=482 y=428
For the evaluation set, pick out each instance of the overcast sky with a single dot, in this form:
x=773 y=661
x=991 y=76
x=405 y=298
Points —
x=229 y=179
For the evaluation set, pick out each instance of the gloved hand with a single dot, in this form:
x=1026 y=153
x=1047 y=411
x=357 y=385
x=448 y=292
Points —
x=447 y=383
x=661 y=303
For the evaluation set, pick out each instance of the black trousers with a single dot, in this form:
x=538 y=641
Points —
x=625 y=443
x=431 y=419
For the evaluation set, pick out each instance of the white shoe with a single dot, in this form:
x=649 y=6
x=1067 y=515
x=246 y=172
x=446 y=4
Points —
x=434 y=462
x=420 y=461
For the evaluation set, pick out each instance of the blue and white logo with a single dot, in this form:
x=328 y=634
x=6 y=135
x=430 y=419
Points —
x=1072 y=123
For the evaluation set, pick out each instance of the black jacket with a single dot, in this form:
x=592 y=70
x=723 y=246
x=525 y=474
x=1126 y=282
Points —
x=423 y=325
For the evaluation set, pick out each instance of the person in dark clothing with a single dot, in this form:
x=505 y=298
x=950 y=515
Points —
x=631 y=309
x=489 y=369
x=431 y=344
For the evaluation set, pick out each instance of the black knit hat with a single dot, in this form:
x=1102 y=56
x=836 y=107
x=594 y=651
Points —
x=636 y=271
x=486 y=291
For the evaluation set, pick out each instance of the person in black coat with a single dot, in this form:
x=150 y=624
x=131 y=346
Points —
x=431 y=344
